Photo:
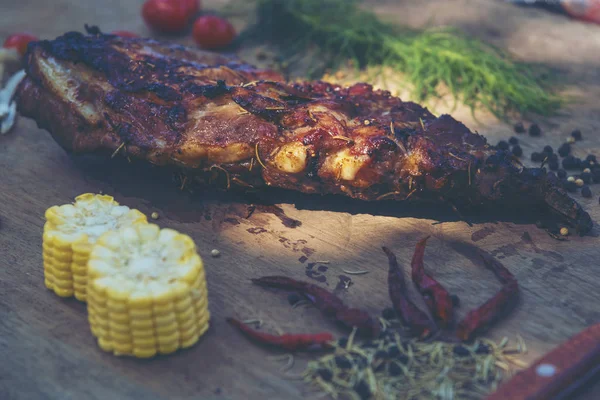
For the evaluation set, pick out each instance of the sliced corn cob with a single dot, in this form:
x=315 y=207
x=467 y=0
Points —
x=146 y=291
x=69 y=234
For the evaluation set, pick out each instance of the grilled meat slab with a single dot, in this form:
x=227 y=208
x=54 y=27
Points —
x=203 y=112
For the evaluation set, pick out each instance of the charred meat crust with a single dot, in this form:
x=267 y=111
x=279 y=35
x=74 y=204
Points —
x=170 y=105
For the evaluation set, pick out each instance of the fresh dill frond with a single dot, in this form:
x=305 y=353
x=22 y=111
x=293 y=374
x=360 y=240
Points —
x=340 y=31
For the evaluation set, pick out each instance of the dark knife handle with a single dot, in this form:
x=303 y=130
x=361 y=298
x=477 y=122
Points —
x=565 y=368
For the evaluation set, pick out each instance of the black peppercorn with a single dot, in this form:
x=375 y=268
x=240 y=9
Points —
x=570 y=186
x=591 y=157
x=586 y=177
x=564 y=149
x=548 y=149
x=362 y=389
x=537 y=157
x=342 y=362
x=325 y=374
x=517 y=150
x=576 y=134
x=586 y=164
x=455 y=300
x=561 y=173
x=483 y=349
x=460 y=351
x=394 y=369
x=539 y=224
x=569 y=162
x=393 y=351
x=388 y=313
x=596 y=175
x=553 y=165
x=513 y=140
x=586 y=191
x=502 y=145
x=534 y=130
x=519 y=128
x=343 y=342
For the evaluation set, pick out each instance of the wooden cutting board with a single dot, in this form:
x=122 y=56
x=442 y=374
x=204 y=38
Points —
x=47 y=350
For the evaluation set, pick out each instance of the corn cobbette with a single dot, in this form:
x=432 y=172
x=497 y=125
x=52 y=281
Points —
x=146 y=291
x=70 y=232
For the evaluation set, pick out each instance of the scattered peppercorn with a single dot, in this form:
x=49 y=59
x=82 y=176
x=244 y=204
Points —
x=154 y=215
x=388 y=313
x=325 y=374
x=571 y=140
x=362 y=389
x=537 y=157
x=579 y=182
x=534 y=130
x=561 y=173
x=519 y=128
x=460 y=351
x=576 y=134
x=517 y=150
x=455 y=300
x=394 y=369
x=483 y=349
x=571 y=162
x=596 y=175
x=564 y=231
x=591 y=157
x=548 y=149
x=513 y=140
x=342 y=362
x=585 y=164
x=343 y=342
x=570 y=186
x=586 y=177
x=564 y=149
x=586 y=192
x=553 y=164
x=502 y=145
x=393 y=351
x=215 y=253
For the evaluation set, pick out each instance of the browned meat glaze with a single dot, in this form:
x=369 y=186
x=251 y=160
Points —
x=175 y=106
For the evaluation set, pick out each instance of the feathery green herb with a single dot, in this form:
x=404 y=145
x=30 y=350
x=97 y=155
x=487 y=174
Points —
x=476 y=73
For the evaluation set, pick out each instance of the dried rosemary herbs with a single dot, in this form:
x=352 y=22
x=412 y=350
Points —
x=394 y=367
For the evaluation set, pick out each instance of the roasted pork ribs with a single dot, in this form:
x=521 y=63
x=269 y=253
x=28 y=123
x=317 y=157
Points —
x=198 y=111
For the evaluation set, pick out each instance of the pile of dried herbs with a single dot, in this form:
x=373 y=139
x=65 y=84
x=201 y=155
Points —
x=398 y=368
x=430 y=60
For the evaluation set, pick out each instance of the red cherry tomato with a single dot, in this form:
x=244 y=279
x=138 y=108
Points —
x=168 y=16
x=19 y=41
x=125 y=34
x=212 y=32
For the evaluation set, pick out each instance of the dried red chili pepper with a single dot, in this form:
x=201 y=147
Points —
x=417 y=320
x=436 y=297
x=328 y=303
x=481 y=318
x=291 y=342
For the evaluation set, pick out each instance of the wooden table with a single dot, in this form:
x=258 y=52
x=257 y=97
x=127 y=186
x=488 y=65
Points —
x=47 y=350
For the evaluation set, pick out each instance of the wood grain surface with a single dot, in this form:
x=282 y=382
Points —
x=47 y=350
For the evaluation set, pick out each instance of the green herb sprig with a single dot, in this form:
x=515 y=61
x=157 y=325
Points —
x=474 y=72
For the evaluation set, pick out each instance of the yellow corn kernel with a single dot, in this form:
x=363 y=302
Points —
x=69 y=234
x=146 y=291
